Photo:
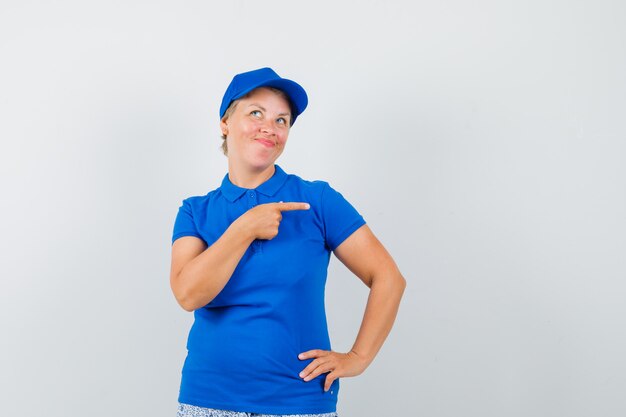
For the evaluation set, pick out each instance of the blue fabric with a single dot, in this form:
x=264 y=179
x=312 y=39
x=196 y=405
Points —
x=245 y=82
x=243 y=346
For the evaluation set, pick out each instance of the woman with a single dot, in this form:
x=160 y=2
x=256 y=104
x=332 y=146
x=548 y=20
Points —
x=250 y=259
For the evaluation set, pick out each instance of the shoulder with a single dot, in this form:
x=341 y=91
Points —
x=314 y=186
x=317 y=190
x=198 y=202
x=296 y=188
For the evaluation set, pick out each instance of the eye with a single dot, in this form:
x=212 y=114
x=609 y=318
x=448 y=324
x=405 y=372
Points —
x=282 y=120
x=256 y=113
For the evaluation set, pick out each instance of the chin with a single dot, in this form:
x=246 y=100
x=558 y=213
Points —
x=261 y=164
x=264 y=159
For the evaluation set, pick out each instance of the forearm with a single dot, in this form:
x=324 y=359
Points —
x=203 y=278
x=380 y=313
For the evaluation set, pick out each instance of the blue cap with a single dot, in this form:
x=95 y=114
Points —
x=245 y=82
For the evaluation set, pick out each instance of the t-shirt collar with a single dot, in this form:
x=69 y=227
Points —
x=232 y=192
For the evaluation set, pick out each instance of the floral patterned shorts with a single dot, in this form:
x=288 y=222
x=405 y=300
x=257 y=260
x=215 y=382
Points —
x=186 y=410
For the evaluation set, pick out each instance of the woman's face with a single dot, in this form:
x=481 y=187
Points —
x=258 y=128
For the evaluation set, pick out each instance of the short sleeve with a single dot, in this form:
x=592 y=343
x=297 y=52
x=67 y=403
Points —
x=184 y=224
x=340 y=218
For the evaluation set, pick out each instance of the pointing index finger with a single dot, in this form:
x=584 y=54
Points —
x=293 y=206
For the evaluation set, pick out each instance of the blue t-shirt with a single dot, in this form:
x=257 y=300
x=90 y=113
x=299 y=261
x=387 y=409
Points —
x=243 y=346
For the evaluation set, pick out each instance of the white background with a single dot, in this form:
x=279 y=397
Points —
x=482 y=141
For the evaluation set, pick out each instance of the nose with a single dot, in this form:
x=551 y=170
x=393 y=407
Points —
x=267 y=128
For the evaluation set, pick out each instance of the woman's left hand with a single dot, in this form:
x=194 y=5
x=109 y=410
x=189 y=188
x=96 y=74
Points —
x=337 y=364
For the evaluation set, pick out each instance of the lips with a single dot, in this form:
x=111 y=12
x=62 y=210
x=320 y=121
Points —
x=266 y=142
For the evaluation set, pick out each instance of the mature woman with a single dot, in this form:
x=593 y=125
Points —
x=250 y=260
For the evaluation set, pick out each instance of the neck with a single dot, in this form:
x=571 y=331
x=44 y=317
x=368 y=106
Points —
x=249 y=177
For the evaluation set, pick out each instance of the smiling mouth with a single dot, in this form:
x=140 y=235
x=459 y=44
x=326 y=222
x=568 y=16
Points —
x=266 y=142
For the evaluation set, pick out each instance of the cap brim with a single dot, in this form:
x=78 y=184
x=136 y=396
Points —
x=294 y=91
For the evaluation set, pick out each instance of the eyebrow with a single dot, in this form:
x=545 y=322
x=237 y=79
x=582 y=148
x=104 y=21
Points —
x=263 y=108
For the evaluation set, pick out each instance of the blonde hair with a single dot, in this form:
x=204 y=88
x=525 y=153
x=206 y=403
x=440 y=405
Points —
x=233 y=105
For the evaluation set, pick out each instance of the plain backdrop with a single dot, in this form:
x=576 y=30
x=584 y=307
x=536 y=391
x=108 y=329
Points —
x=483 y=142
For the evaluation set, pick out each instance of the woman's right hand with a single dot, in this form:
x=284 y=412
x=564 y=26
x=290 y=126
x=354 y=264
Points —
x=263 y=220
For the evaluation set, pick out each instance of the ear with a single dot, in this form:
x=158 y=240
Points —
x=224 y=126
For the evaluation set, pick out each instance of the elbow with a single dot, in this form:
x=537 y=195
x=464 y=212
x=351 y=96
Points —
x=183 y=301
x=401 y=282
x=182 y=293
x=184 y=298
x=189 y=301
x=186 y=305
x=391 y=282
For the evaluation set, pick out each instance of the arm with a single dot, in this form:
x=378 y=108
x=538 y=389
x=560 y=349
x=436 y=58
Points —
x=365 y=256
x=198 y=273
